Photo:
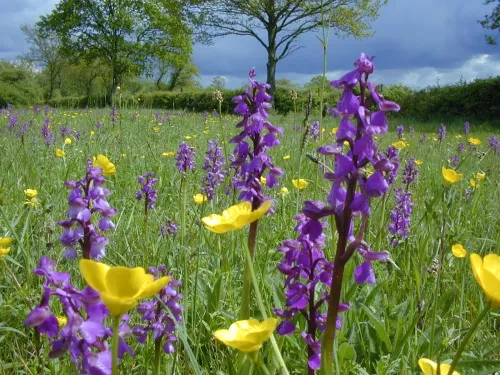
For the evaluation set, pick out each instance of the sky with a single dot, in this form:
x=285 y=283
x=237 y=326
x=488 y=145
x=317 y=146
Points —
x=416 y=43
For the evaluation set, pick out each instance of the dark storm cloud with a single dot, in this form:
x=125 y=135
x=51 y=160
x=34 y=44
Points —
x=15 y=13
x=416 y=42
x=409 y=35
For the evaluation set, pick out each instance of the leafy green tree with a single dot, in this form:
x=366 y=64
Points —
x=45 y=49
x=317 y=82
x=126 y=34
x=492 y=22
x=218 y=83
x=175 y=73
x=278 y=24
x=85 y=78
x=286 y=84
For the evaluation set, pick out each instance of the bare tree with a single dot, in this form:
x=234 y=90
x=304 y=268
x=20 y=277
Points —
x=45 y=50
x=277 y=24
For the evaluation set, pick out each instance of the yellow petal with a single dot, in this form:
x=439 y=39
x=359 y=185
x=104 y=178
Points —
x=5 y=241
x=477 y=268
x=227 y=338
x=94 y=274
x=458 y=250
x=429 y=367
x=153 y=288
x=491 y=278
x=217 y=224
x=118 y=306
x=31 y=193
x=480 y=176
x=123 y=282
x=200 y=198
x=4 y=251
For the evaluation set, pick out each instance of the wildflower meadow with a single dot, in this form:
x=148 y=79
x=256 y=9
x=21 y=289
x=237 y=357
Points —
x=136 y=240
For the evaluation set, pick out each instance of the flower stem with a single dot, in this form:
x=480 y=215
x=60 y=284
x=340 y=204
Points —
x=262 y=309
x=157 y=359
x=114 y=346
x=247 y=278
x=262 y=366
x=466 y=339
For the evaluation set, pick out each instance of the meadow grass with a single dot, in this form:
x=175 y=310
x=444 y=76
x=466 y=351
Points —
x=388 y=327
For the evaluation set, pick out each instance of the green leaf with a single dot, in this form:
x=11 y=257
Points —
x=378 y=326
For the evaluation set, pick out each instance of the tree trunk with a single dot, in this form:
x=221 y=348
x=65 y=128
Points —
x=51 y=82
x=272 y=61
x=114 y=84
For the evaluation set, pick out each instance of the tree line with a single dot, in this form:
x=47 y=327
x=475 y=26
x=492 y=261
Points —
x=103 y=43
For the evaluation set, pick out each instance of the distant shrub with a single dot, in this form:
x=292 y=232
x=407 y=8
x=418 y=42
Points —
x=18 y=86
x=478 y=100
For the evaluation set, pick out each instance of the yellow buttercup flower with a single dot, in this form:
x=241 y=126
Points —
x=120 y=287
x=487 y=274
x=434 y=139
x=429 y=367
x=169 y=153
x=101 y=161
x=32 y=202
x=31 y=193
x=187 y=137
x=300 y=183
x=286 y=157
x=263 y=180
x=4 y=246
x=334 y=130
x=458 y=250
x=205 y=131
x=92 y=132
x=156 y=128
x=235 y=217
x=419 y=162
x=61 y=321
x=5 y=241
x=200 y=198
x=480 y=176
x=4 y=251
x=247 y=335
x=474 y=141
x=284 y=191
x=67 y=141
x=450 y=176
x=474 y=184
x=60 y=153
x=400 y=144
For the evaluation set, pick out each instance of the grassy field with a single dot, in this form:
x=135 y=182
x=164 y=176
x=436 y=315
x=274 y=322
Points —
x=423 y=295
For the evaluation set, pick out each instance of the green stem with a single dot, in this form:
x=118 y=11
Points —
x=262 y=309
x=466 y=339
x=245 y=298
x=438 y=280
x=114 y=345
x=262 y=366
x=157 y=359
x=247 y=278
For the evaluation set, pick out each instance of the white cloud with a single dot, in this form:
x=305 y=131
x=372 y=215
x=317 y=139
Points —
x=479 y=66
